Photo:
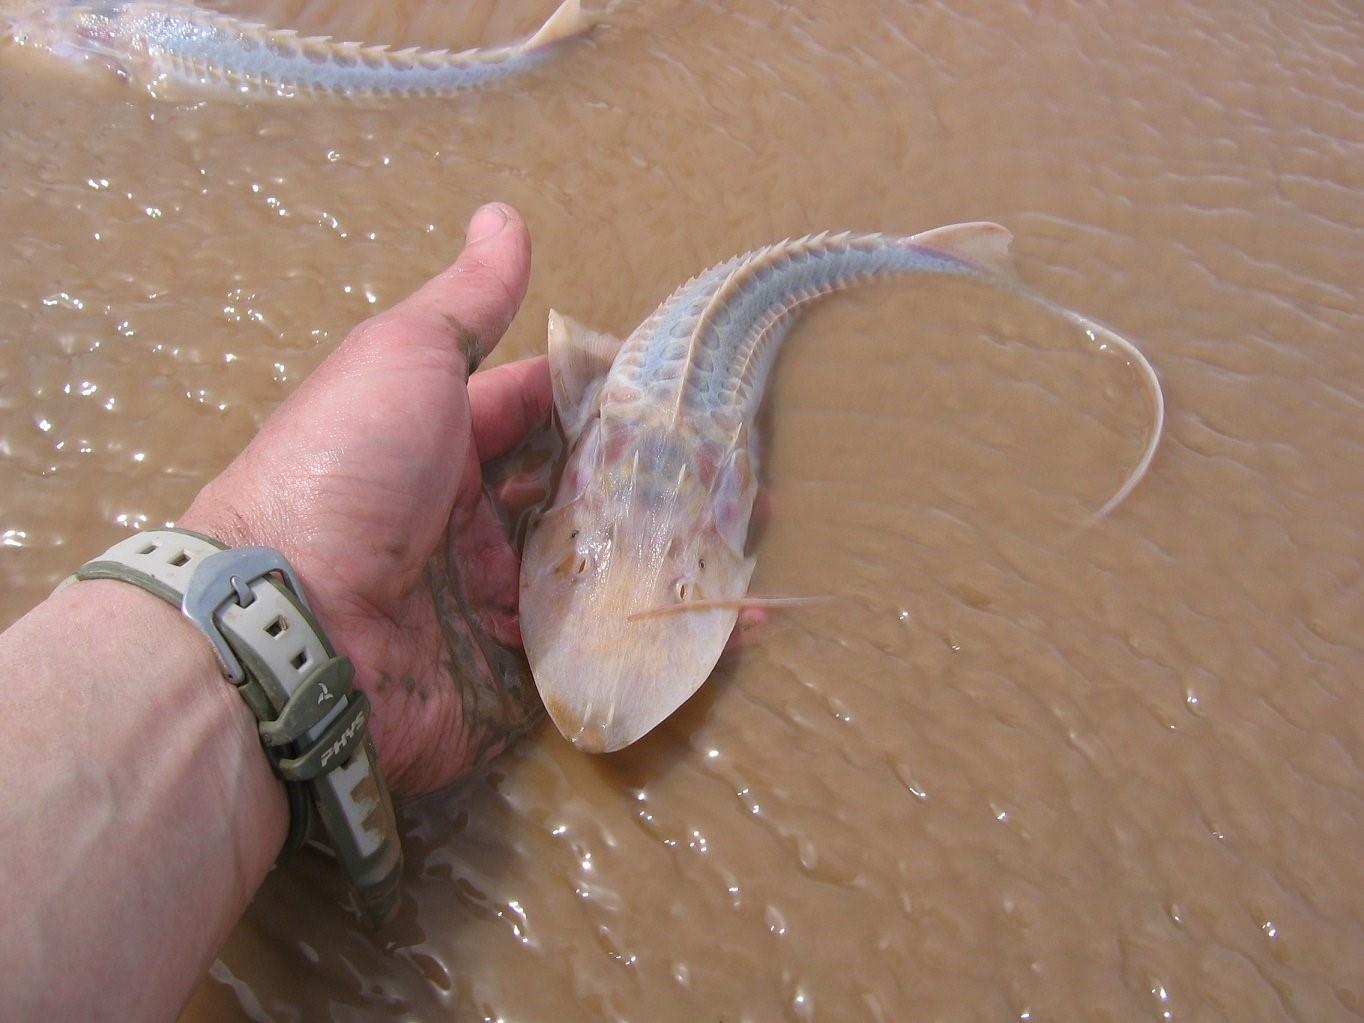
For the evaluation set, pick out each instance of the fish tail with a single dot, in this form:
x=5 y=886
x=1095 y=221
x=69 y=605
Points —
x=985 y=246
x=1104 y=339
x=568 y=20
x=980 y=244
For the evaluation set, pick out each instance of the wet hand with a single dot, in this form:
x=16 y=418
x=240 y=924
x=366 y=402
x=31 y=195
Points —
x=368 y=479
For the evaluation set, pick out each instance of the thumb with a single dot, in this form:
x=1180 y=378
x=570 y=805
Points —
x=384 y=415
x=469 y=304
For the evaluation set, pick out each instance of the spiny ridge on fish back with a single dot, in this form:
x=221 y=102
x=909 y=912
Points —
x=162 y=41
x=710 y=346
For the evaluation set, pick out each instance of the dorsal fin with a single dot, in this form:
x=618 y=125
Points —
x=579 y=359
x=979 y=243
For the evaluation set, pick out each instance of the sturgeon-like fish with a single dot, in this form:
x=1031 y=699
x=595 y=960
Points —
x=633 y=578
x=164 y=42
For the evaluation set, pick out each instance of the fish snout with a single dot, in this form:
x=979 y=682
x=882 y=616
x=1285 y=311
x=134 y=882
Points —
x=589 y=732
x=606 y=684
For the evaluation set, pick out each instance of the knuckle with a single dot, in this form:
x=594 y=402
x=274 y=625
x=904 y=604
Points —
x=367 y=333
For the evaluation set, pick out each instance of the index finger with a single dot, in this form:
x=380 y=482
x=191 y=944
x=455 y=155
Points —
x=507 y=402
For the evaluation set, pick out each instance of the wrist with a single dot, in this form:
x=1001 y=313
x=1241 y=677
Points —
x=248 y=603
x=183 y=686
x=233 y=526
x=140 y=804
x=230 y=525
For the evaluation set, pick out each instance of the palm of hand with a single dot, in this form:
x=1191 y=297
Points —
x=368 y=479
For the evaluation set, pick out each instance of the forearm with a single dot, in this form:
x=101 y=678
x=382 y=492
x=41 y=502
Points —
x=137 y=812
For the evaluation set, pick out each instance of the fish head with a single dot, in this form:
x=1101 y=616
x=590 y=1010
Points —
x=638 y=532
x=89 y=33
x=34 y=24
x=103 y=29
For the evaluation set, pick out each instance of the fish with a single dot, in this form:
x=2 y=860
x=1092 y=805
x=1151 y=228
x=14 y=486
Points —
x=165 y=45
x=633 y=577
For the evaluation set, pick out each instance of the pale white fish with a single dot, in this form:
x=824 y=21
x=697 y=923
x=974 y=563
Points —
x=161 y=43
x=652 y=510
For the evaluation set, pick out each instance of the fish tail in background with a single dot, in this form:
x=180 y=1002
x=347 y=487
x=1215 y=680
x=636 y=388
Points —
x=166 y=44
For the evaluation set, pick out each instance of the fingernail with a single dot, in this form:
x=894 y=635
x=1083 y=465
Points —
x=486 y=222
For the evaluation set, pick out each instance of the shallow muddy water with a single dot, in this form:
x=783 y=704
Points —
x=1021 y=768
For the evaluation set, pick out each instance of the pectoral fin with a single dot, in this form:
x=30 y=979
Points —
x=579 y=359
x=732 y=500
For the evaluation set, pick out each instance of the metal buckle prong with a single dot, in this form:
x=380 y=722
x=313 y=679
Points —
x=222 y=576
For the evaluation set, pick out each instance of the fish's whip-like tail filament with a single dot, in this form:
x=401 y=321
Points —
x=993 y=263
x=1104 y=338
x=985 y=247
x=742 y=603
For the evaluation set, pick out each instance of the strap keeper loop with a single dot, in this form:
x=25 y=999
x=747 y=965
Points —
x=334 y=747
x=311 y=702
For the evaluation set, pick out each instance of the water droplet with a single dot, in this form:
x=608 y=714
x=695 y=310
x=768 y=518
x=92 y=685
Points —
x=776 y=923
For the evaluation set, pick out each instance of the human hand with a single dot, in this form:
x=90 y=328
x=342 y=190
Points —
x=368 y=480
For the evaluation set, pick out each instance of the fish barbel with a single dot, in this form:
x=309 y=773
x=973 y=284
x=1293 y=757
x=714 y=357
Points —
x=632 y=580
x=161 y=43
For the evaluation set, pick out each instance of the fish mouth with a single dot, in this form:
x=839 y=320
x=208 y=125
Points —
x=30 y=25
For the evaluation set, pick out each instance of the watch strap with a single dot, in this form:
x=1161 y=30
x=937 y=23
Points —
x=311 y=720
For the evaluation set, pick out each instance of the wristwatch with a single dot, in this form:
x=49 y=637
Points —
x=250 y=605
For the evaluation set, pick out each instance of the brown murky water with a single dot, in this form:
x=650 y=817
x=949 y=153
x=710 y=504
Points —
x=1022 y=769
